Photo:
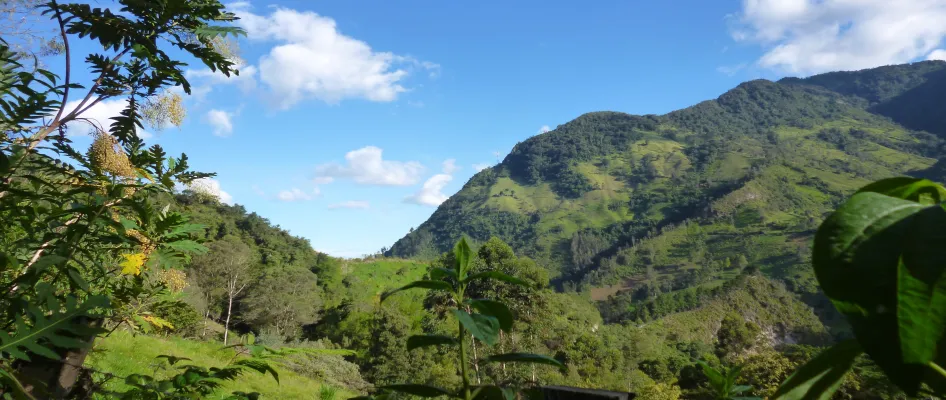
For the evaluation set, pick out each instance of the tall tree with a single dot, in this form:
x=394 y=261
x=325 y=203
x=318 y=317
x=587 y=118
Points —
x=283 y=301
x=225 y=272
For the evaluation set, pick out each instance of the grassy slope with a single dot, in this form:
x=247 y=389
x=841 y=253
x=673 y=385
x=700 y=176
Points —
x=123 y=354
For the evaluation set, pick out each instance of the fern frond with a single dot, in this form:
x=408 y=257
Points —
x=44 y=332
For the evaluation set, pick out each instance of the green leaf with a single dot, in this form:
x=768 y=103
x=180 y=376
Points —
x=497 y=276
x=423 y=284
x=907 y=188
x=418 y=390
x=857 y=255
x=463 y=255
x=740 y=389
x=491 y=392
x=495 y=309
x=46 y=261
x=418 y=341
x=715 y=378
x=483 y=327
x=50 y=328
x=172 y=359
x=820 y=378
x=259 y=366
x=438 y=273
x=525 y=358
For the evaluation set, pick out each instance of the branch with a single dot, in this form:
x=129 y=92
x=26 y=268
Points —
x=65 y=42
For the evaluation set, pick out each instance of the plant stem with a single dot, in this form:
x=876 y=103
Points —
x=937 y=368
x=463 y=368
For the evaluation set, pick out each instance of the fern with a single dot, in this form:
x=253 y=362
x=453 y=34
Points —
x=47 y=331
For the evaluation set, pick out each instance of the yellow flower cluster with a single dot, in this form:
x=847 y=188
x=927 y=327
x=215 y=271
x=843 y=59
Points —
x=174 y=279
x=107 y=155
x=164 y=109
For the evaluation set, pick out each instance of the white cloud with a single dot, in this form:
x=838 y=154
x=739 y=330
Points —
x=431 y=194
x=938 y=54
x=481 y=166
x=212 y=187
x=99 y=115
x=544 y=129
x=323 y=180
x=295 y=194
x=365 y=166
x=450 y=166
x=221 y=121
x=351 y=204
x=812 y=36
x=246 y=80
x=312 y=59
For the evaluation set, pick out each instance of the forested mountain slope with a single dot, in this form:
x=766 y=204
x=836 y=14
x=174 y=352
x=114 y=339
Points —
x=686 y=200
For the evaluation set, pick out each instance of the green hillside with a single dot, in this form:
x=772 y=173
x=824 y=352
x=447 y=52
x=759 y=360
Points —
x=611 y=201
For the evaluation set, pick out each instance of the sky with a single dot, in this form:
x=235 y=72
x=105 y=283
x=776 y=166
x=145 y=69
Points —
x=352 y=120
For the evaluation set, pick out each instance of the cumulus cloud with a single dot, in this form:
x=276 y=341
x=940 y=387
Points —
x=312 y=59
x=366 y=166
x=221 y=121
x=544 y=129
x=481 y=166
x=812 y=36
x=296 y=194
x=98 y=117
x=431 y=194
x=351 y=204
x=212 y=187
x=246 y=80
x=938 y=54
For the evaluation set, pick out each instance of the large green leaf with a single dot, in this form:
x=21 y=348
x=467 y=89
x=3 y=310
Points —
x=495 y=309
x=424 y=284
x=715 y=378
x=418 y=390
x=907 y=188
x=820 y=378
x=525 y=358
x=418 y=341
x=59 y=329
x=463 y=255
x=483 y=327
x=879 y=259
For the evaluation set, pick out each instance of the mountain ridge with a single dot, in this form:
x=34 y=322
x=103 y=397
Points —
x=600 y=199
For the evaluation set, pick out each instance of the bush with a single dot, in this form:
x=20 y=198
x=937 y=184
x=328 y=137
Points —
x=183 y=316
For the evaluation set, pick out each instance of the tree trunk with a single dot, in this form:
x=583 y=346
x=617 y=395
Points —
x=226 y=326
x=55 y=379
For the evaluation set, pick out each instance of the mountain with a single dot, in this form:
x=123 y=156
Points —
x=686 y=200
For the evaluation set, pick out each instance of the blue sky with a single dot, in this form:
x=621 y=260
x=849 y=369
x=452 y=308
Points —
x=354 y=119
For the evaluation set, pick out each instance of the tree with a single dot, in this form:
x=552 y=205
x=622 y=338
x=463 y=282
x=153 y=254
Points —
x=283 y=301
x=735 y=335
x=740 y=262
x=224 y=272
x=83 y=230
x=477 y=319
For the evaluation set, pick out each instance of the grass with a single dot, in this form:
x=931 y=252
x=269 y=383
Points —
x=123 y=354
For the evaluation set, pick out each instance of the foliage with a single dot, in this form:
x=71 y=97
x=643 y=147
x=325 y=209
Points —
x=84 y=230
x=884 y=234
x=722 y=381
x=483 y=326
